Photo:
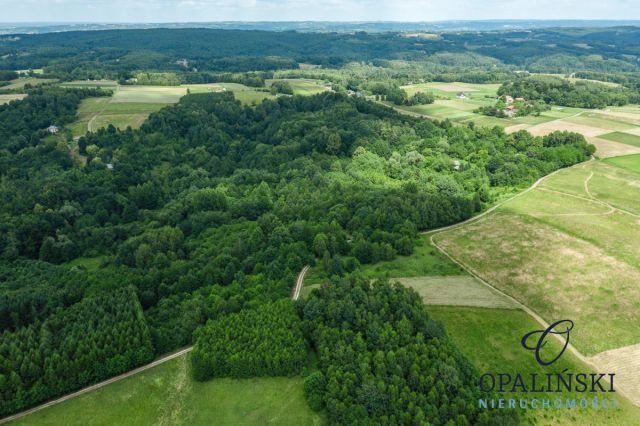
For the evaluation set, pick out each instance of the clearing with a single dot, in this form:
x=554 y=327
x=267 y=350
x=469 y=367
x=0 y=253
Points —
x=5 y=99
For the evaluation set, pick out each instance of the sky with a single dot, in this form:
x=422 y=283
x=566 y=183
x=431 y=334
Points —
x=309 y=10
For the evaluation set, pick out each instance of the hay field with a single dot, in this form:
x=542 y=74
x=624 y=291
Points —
x=568 y=249
x=462 y=290
x=5 y=99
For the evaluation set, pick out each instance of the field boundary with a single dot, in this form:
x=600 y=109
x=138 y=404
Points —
x=432 y=233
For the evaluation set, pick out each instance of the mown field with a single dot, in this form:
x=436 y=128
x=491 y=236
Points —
x=166 y=395
x=5 y=99
x=568 y=249
x=490 y=338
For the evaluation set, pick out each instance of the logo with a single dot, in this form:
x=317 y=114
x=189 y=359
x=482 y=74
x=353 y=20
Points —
x=559 y=328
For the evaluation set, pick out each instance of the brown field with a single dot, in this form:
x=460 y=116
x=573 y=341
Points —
x=5 y=99
x=605 y=148
x=453 y=88
x=457 y=290
x=625 y=363
x=552 y=126
x=516 y=127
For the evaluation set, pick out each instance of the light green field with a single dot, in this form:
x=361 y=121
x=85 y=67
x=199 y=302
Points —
x=457 y=290
x=490 y=338
x=99 y=84
x=166 y=395
x=301 y=86
x=569 y=249
x=625 y=138
x=425 y=261
x=19 y=83
x=5 y=99
x=95 y=113
x=149 y=94
x=628 y=162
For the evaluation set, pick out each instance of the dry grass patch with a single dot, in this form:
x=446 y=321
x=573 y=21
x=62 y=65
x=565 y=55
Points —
x=605 y=148
x=625 y=363
x=460 y=290
x=552 y=126
x=554 y=273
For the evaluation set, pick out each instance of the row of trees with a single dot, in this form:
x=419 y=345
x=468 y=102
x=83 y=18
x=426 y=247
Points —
x=266 y=341
x=383 y=360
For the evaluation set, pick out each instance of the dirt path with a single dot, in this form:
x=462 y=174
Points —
x=296 y=290
x=98 y=385
x=180 y=385
x=596 y=362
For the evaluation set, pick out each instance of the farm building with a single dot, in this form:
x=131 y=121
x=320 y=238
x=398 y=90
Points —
x=510 y=111
x=53 y=129
x=508 y=99
x=520 y=99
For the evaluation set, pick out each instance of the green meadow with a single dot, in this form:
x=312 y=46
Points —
x=166 y=395
x=490 y=338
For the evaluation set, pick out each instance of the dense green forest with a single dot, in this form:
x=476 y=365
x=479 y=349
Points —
x=266 y=341
x=211 y=208
x=94 y=339
x=384 y=361
x=117 y=53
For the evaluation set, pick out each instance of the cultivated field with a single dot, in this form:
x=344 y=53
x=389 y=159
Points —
x=148 y=94
x=5 y=99
x=490 y=338
x=166 y=395
x=301 y=86
x=19 y=83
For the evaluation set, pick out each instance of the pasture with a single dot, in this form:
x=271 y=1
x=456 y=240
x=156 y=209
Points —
x=499 y=351
x=148 y=94
x=19 y=83
x=568 y=249
x=166 y=395
x=301 y=86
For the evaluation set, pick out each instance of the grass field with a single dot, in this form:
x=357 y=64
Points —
x=457 y=290
x=499 y=351
x=149 y=94
x=569 y=249
x=19 y=83
x=166 y=395
x=93 y=84
x=5 y=99
x=301 y=86
x=625 y=138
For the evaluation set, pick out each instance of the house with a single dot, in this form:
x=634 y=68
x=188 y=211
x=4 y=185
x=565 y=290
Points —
x=183 y=62
x=519 y=99
x=456 y=165
x=53 y=129
x=508 y=99
x=461 y=95
x=110 y=166
x=510 y=111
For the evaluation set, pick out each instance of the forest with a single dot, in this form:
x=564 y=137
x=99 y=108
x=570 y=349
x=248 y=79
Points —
x=209 y=210
x=117 y=54
x=384 y=361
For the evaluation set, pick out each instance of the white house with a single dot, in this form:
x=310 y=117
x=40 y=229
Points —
x=53 y=129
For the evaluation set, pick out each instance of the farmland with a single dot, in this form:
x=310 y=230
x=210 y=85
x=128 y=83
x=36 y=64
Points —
x=614 y=131
x=20 y=83
x=166 y=394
